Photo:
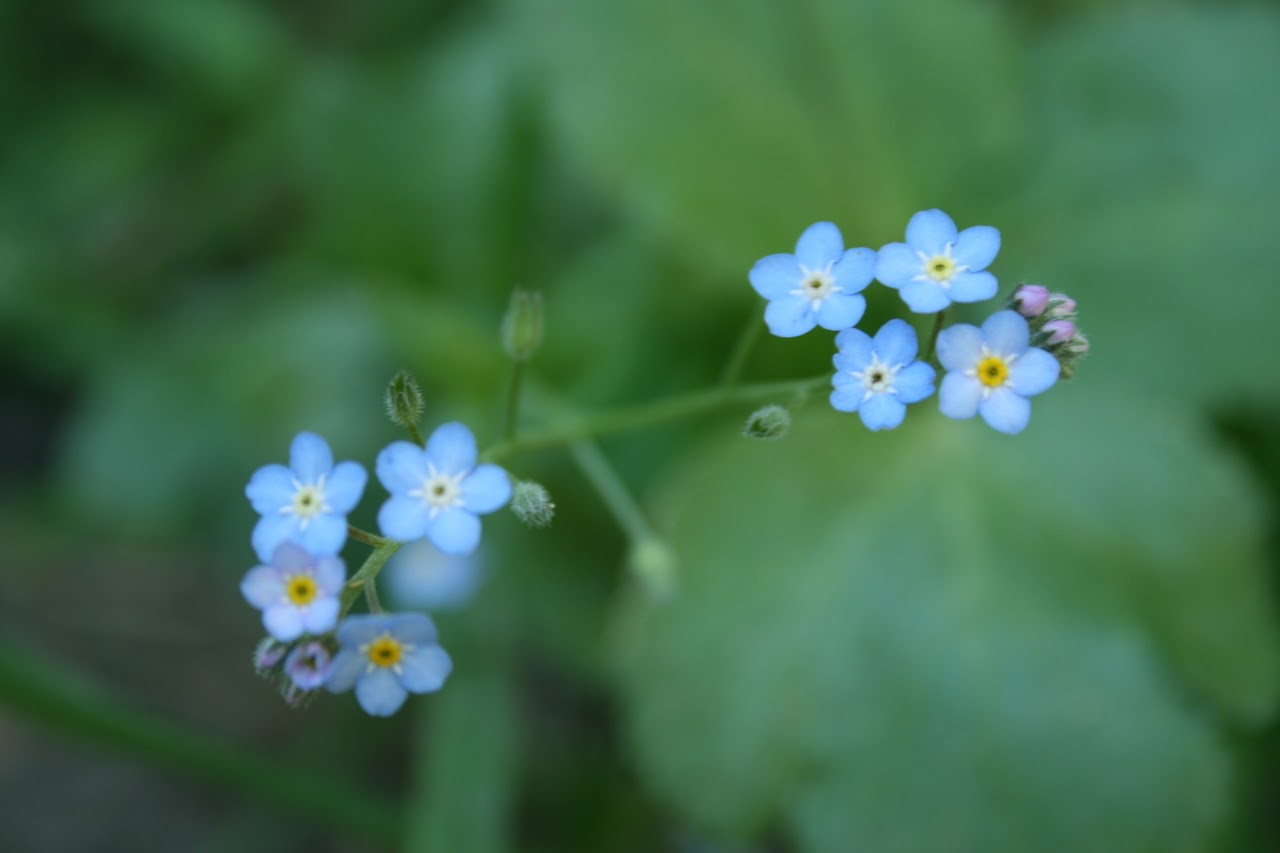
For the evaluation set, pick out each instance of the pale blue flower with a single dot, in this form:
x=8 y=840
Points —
x=877 y=377
x=937 y=265
x=307 y=502
x=817 y=286
x=387 y=657
x=419 y=577
x=439 y=491
x=992 y=371
x=297 y=592
x=308 y=665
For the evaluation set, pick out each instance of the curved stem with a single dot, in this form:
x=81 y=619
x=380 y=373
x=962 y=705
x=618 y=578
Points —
x=606 y=481
x=742 y=350
x=511 y=415
x=362 y=580
x=366 y=537
x=933 y=336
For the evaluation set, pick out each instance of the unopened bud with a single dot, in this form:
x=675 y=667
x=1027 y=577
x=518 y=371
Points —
x=522 y=326
x=1061 y=305
x=655 y=566
x=1030 y=300
x=308 y=665
x=768 y=423
x=1058 y=331
x=403 y=400
x=268 y=655
x=532 y=504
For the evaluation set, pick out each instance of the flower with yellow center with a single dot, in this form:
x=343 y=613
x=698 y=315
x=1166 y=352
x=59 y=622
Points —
x=385 y=657
x=297 y=592
x=938 y=264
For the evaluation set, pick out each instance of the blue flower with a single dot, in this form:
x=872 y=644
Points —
x=387 y=657
x=992 y=371
x=817 y=286
x=419 y=577
x=877 y=377
x=308 y=665
x=937 y=266
x=437 y=492
x=307 y=502
x=297 y=592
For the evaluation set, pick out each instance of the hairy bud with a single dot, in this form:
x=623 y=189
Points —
x=768 y=423
x=532 y=504
x=522 y=325
x=403 y=400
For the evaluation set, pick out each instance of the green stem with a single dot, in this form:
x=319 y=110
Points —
x=362 y=580
x=371 y=595
x=602 y=476
x=933 y=336
x=366 y=537
x=415 y=435
x=742 y=350
x=513 y=400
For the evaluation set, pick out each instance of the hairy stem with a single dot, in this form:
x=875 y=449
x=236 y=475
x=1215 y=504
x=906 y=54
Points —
x=362 y=580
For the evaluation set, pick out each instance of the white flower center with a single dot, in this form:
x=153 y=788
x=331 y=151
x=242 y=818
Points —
x=940 y=268
x=308 y=502
x=817 y=284
x=439 y=491
x=877 y=377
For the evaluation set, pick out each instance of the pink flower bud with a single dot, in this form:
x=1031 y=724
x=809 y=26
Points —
x=1031 y=299
x=268 y=654
x=1063 y=305
x=1059 y=331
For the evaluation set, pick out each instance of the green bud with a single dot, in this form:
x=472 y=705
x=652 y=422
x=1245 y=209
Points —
x=532 y=504
x=768 y=423
x=522 y=326
x=655 y=566
x=404 y=400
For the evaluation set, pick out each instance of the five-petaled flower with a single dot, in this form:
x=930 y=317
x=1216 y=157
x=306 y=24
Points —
x=937 y=265
x=439 y=491
x=308 y=665
x=877 y=377
x=992 y=371
x=817 y=286
x=297 y=592
x=386 y=658
x=307 y=502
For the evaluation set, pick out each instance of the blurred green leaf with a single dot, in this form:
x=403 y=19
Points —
x=944 y=639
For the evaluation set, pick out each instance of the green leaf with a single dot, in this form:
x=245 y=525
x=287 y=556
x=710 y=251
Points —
x=948 y=639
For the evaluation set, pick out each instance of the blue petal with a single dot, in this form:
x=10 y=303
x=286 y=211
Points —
x=775 y=275
x=324 y=535
x=401 y=467
x=330 y=573
x=270 y=488
x=414 y=628
x=914 y=382
x=960 y=347
x=842 y=378
x=380 y=693
x=1006 y=411
x=925 y=297
x=959 y=395
x=854 y=271
x=309 y=457
x=363 y=628
x=819 y=245
x=454 y=531
x=1033 y=372
x=270 y=531
x=855 y=348
x=1006 y=333
x=452 y=448
x=403 y=518
x=291 y=557
x=282 y=621
x=262 y=586
x=347 y=667
x=977 y=247
x=486 y=489
x=421 y=578
x=841 y=311
x=882 y=411
x=320 y=616
x=973 y=286
x=343 y=489
x=424 y=670
x=790 y=316
x=896 y=343
x=897 y=264
x=930 y=231
x=847 y=398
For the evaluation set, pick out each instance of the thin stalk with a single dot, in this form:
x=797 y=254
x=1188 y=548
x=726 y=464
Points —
x=366 y=537
x=513 y=400
x=364 y=577
x=617 y=497
x=933 y=336
x=742 y=350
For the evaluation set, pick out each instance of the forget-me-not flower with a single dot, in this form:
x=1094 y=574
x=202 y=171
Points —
x=877 y=377
x=297 y=592
x=419 y=577
x=439 y=491
x=937 y=265
x=307 y=502
x=817 y=286
x=387 y=657
x=993 y=370
x=308 y=665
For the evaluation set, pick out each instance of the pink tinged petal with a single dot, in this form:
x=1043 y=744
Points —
x=403 y=518
x=775 y=275
x=344 y=486
x=414 y=628
x=819 y=245
x=1006 y=333
x=270 y=488
x=282 y=621
x=347 y=667
x=262 y=587
x=977 y=247
x=855 y=270
x=855 y=348
x=486 y=489
x=425 y=669
x=790 y=316
x=841 y=311
x=882 y=411
x=1033 y=372
x=452 y=448
x=289 y=556
x=1006 y=411
x=401 y=467
x=897 y=264
x=930 y=231
x=925 y=297
x=959 y=395
x=330 y=573
x=270 y=532
x=896 y=343
x=320 y=616
x=914 y=382
x=455 y=531
x=323 y=535
x=973 y=286
x=380 y=693
x=848 y=398
x=960 y=347
x=309 y=457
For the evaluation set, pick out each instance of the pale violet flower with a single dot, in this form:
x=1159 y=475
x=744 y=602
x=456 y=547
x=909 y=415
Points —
x=877 y=377
x=297 y=592
x=387 y=657
x=817 y=286
x=308 y=665
x=937 y=265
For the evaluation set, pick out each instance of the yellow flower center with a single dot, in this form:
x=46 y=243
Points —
x=940 y=268
x=384 y=651
x=992 y=371
x=301 y=589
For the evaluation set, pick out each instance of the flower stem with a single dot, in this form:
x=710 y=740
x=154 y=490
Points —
x=742 y=350
x=366 y=537
x=371 y=595
x=362 y=580
x=415 y=436
x=933 y=336
x=602 y=476
x=513 y=400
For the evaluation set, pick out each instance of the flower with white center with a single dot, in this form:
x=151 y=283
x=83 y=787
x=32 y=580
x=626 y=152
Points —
x=937 y=265
x=439 y=491
x=297 y=592
x=387 y=657
x=878 y=377
x=993 y=370
x=308 y=665
x=307 y=502
x=817 y=286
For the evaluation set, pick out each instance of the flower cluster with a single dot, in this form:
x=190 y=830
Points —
x=991 y=370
